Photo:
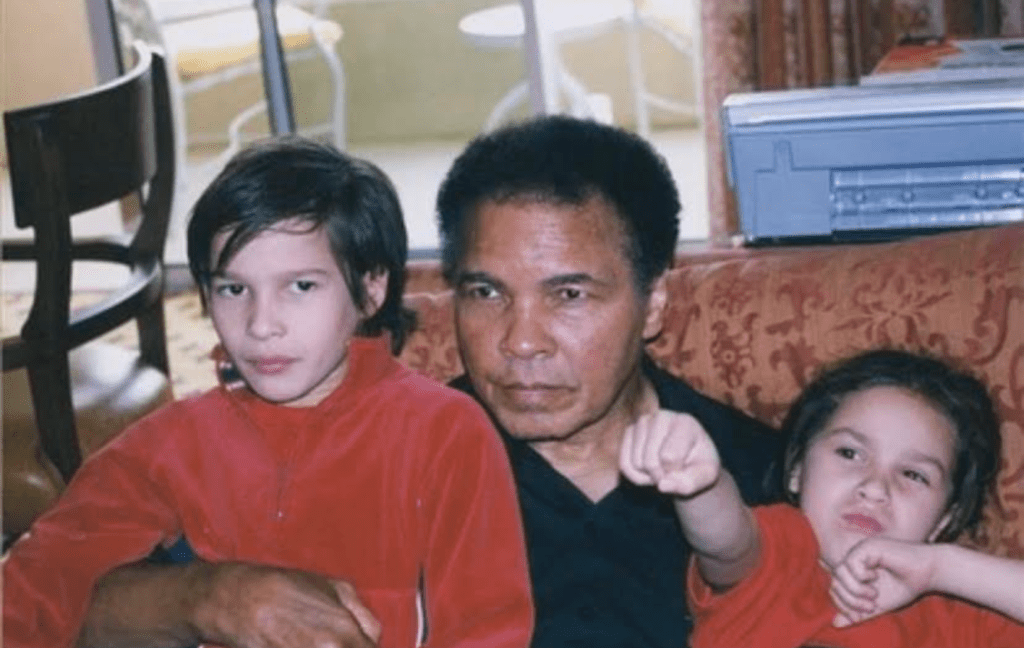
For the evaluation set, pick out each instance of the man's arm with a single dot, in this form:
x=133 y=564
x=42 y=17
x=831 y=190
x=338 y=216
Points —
x=230 y=604
x=880 y=575
x=673 y=452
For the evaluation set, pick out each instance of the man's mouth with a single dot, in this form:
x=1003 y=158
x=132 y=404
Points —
x=864 y=523
x=532 y=396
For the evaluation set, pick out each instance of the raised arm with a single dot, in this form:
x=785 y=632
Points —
x=880 y=575
x=674 y=453
x=229 y=604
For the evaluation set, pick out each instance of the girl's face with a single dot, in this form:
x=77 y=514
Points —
x=285 y=315
x=881 y=466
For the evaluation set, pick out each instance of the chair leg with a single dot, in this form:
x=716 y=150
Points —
x=520 y=93
x=337 y=72
x=235 y=135
x=153 y=337
x=50 y=383
x=514 y=97
x=636 y=73
x=576 y=92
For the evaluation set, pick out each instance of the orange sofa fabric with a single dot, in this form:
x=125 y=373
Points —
x=751 y=327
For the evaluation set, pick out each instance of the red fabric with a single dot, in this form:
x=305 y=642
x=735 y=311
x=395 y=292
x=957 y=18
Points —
x=785 y=604
x=391 y=477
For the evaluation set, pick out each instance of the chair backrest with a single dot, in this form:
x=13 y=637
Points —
x=67 y=157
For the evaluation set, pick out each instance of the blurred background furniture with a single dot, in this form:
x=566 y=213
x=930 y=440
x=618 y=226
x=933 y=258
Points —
x=212 y=42
x=209 y=43
x=65 y=395
x=564 y=21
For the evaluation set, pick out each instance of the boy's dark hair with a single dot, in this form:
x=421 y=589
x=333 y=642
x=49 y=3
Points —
x=291 y=177
x=960 y=397
x=564 y=160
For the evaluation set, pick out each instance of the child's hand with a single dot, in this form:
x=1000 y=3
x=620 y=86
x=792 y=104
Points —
x=879 y=575
x=671 y=451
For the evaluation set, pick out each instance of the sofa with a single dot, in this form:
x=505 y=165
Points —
x=752 y=326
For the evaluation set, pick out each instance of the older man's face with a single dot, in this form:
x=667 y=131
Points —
x=549 y=320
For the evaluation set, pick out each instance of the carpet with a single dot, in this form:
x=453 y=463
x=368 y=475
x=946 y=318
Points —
x=190 y=335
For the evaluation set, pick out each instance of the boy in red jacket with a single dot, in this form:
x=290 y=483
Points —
x=333 y=497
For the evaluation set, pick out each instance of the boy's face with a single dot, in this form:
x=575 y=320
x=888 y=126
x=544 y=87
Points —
x=882 y=466
x=285 y=315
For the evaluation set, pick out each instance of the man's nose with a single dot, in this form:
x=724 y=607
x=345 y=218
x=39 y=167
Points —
x=264 y=317
x=526 y=333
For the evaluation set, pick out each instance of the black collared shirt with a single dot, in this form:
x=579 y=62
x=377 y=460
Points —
x=611 y=573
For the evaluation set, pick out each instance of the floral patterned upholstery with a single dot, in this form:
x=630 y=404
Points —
x=751 y=327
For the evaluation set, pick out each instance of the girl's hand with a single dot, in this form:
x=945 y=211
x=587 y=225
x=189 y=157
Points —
x=880 y=575
x=670 y=451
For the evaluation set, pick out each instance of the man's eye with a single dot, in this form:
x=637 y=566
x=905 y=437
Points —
x=914 y=475
x=303 y=285
x=479 y=291
x=570 y=294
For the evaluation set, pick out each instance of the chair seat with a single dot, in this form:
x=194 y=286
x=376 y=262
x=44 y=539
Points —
x=208 y=44
x=111 y=389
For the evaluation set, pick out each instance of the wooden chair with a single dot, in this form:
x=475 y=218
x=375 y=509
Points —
x=63 y=398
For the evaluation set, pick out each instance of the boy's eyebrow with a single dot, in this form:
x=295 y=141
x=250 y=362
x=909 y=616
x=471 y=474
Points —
x=225 y=274
x=464 y=278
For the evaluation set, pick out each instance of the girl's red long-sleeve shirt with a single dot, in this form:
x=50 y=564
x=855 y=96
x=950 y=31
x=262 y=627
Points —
x=785 y=604
x=393 y=483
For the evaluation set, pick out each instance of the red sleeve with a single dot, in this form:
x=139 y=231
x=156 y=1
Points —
x=999 y=631
x=110 y=514
x=781 y=604
x=476 y=580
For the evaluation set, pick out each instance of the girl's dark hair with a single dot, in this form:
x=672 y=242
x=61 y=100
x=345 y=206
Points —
x=565 y=161
x=960 y=397
x=290 y=177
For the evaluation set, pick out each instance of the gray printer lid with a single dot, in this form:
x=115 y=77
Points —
x=752 y=108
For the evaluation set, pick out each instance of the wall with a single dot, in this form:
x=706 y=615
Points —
x=45 y=53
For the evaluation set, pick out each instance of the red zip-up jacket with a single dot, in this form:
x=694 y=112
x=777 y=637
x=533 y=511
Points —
x=390 y=482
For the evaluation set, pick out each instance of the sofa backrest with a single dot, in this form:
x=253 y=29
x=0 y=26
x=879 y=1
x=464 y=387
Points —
x=752 y=327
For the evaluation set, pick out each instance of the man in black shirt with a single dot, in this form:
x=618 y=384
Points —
x=556 y=235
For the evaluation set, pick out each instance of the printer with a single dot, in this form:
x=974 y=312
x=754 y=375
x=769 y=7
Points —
x=875 y=161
